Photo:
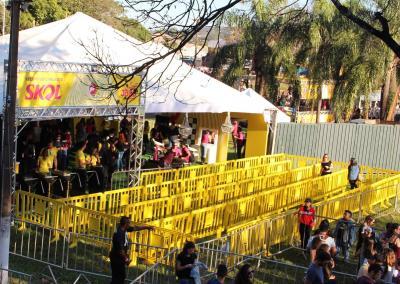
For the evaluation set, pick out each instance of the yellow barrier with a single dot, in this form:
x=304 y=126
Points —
x=261 y=234
x=195 y=171
x=214 y=219
x=52 y=213
x=374 y=173
x=112 y=201
x=190 y=194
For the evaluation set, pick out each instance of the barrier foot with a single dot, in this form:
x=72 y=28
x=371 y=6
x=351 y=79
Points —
x=82 y=276
x=51 y=277
x=22 y=227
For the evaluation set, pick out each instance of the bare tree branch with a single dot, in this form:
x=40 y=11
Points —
x=383 y=33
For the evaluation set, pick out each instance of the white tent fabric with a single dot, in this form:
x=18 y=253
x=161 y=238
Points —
x=262 y=104
x=173 y=85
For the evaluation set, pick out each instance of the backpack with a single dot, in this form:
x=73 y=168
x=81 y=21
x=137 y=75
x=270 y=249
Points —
x=343 y=233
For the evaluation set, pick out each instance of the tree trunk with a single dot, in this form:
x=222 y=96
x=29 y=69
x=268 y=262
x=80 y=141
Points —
x=392 y=109
x=393 y=90
x=388 y=86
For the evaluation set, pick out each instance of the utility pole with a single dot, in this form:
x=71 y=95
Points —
x=8 y=140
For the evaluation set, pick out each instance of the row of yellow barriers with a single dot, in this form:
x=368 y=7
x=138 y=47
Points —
x=374 y=173
x=212 y=193
x=166 y=183
x=158 y=177
x=112 y=201
x=193 y=216
x=261 y=234
x=58 y=215
x=215 y=219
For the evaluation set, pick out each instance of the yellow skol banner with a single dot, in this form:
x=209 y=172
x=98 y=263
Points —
x=48 y=89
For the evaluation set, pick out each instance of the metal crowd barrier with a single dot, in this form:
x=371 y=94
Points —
x=374 y=173
x=14 y=277
x=77 y=252
x=266 y=270
x=57 y=215
x=199 y=170
x=275 y=233
x=107 y=201
x=215 y=219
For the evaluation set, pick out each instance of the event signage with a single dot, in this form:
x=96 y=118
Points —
x=51 y=89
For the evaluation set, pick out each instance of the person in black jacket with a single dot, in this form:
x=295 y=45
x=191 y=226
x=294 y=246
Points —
x=119 y=252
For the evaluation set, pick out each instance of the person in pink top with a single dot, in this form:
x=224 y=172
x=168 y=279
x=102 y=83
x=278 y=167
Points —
x=205 y=139
x=176 y=150
x=239 y=143
x=235 y=132
x=186 y=154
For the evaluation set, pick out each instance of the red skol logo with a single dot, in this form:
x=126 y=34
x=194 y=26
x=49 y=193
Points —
x=43 y=92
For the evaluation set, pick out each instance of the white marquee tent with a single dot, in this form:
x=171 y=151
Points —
x=263 y=104
x=174 y=86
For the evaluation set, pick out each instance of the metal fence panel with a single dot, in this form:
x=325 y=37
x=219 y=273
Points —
x=372 y=145
x=14 y=277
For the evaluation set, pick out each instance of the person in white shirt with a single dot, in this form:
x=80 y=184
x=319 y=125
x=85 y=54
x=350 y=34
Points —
x=322 y=237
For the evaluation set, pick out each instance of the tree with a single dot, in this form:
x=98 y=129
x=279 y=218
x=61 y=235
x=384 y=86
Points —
x=109 y=12
x=380 y=19
x=329 y=46
x=267 y=41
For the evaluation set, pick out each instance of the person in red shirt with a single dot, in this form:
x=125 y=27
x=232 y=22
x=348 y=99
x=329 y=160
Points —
x=186 y=154
x=306 y=221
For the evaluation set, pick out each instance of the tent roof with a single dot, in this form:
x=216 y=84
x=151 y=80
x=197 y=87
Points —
x=173 y=85
x=262 y=104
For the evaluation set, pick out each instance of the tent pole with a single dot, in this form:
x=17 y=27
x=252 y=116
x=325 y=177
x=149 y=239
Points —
x=9 y=142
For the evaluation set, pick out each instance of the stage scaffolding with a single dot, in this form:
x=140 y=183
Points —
x=134 y=113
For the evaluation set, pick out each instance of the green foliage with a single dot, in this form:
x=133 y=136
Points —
x=110 y=12
x=331 y=47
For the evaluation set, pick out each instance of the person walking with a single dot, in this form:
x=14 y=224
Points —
x=326 y=165
x=119 y=257
x=245 y=275
x=222 y=272
x=306 y=217
x=353 y=173
x=185 y=261
x=374 y=274
x=344 y=234
x=315 y=273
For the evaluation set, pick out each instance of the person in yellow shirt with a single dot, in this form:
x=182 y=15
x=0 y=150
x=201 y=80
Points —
x=80 y=158
x=53 y=154
x=80 y=165
x=44 y=163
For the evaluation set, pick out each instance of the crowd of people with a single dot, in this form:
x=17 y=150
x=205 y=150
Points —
x=49 y=149
x=377 y=254
x=167 y=145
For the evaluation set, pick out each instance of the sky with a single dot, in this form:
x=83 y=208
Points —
x=178 y=7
